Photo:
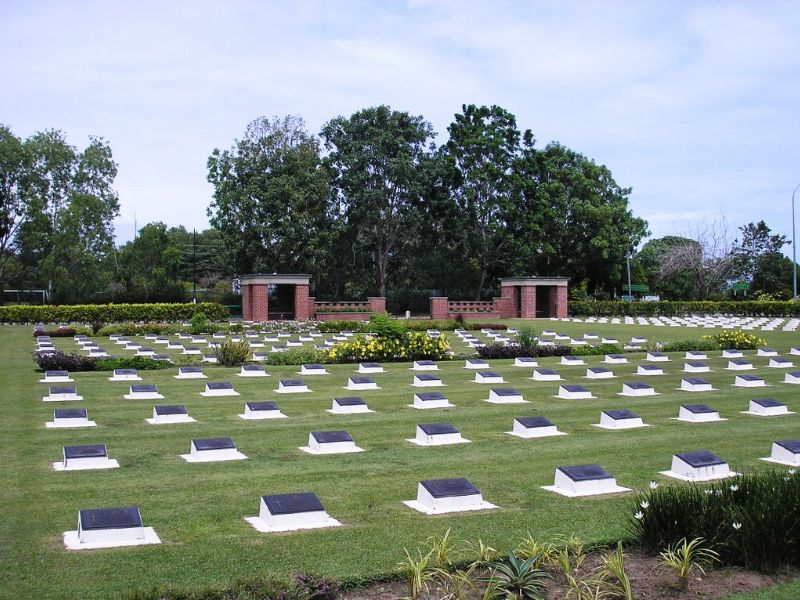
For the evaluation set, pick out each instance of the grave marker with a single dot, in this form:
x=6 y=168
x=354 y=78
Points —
x=700 y=465
x=109 y=528
x=584 y=480
x=169 y=414
x=330 y=442
x=66 y=418
x=534 y=427
x=291 y=512
x=620 y=419
x=441 y=496
x=785 y=452
x=766 y=407
x=212 y=450
x=426 y=400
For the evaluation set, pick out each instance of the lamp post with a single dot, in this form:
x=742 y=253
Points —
x=630 y=293
x=794 y=250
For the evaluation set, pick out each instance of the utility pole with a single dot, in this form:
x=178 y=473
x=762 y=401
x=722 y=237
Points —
x=794 y=251
x=630 y=293
x=194 y=266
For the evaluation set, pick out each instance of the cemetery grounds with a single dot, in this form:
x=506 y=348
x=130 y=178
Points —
x=198 y=510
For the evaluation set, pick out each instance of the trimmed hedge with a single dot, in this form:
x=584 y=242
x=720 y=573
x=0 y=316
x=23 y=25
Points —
x=683 y=308
x=110 y=313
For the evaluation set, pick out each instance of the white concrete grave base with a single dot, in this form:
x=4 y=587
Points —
x=86 y=464
x=112 y=538
x=578 y=489
x=782 y=456
x=685 y=472
x=427 y=504
x=70 y=424
x=170 y=419
x=258 y=415
x=214 y=456
x=266 y=522
x=529 y=433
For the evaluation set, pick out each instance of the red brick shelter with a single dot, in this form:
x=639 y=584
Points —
x=520 y=297
x=280 y=296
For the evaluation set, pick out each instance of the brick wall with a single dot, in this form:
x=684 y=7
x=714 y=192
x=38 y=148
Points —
x=247 y=304
x=504 y=306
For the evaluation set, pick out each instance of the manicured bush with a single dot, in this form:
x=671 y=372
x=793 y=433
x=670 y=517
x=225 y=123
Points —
x=752 y=520
x=132 y=329
x=297 y=356
x=691 y=345
x=61 y=361
x=61 y=332
x=109 y=313
x=140 y=363
x=596 y=350
x=410 y=346
x=501 y=351
x=616 y=308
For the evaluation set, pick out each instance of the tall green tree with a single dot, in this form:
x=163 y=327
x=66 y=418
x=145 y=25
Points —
x=570 y=217
x=378 y=158
x=149 y=266
x=678 y=285
x=67 y=238
x=483 y=145
x=270 y=200
x=15 y=198
x=756 y=240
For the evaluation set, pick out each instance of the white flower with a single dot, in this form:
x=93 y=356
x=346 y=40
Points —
x=653 y=485
x=737 y=526
x=792 y=471
x=644 y=504
x=734 y=488
x=708 y=491
x=639 y=515
x=719 y=492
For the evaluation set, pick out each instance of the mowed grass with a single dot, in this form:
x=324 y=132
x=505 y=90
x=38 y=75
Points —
x=198 y=510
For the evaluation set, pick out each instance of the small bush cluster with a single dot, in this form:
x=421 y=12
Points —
x=752 y=520
x=61 y=332
x=110 y=313
x=141 y=329
x=306 y=586
x=410 y=346
x=61 y=361
x=734 y=338
x=690 y=345
x=501 y=351
x=297 y=356
x=140 y=363
x=617 y=308
x=596 y=350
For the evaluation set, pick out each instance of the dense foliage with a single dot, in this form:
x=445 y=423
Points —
x=683 y=309
x=109 y=313
x=752 y=520
x=61 y=361
x=232 y=354
x=409 y=346
x=388 y=212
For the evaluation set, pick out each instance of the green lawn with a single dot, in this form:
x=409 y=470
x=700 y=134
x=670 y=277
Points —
x=198 y=509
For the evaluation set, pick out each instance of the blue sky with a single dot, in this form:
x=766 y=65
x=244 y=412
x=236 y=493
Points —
x=692 y=104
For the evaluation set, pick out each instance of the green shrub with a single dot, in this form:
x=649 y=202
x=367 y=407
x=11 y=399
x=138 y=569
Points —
x=752 y=520
x=616 y=308
x=297 y=356
x=61 y=361
x=691 y=345
x=386 y=327
x=232 y=354
x=62 y=332
x=140 y=363
x=596 y=350
x=110 y=313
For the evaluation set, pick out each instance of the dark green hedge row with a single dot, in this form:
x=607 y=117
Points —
x=683 y=308
x=110 y=313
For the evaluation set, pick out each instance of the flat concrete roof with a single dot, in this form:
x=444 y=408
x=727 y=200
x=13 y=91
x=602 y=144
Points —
x=276 y=278
x=534 y=281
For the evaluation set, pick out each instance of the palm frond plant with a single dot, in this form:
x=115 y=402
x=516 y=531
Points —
x=518 y=578
x=687 y=556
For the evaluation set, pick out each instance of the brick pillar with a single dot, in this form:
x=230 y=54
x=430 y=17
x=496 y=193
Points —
x=527 y=302
x=560 y=308
x=247 y=306
x=259 y=302
x=439 y=309
x=312 y=307
x=377 y=304
x=302 y=310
